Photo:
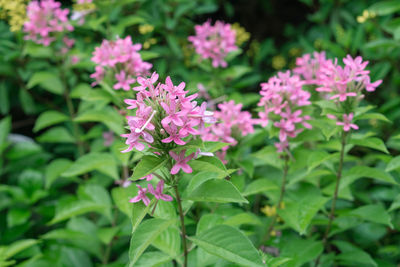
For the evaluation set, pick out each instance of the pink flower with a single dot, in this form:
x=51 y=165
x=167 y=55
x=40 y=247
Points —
x=120 y=57
x=346 y=123
x=181 y=162
x=45 y=18
x=123 y=81
x=282 y=99
x=158 y=191
x=141 y=196
x=214 y=42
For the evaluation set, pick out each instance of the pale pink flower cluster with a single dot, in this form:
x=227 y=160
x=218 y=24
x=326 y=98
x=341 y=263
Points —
x=165 y=119
x=282 y=99
x=338 y=83
x=122 y=59
x=45 y=18
x=348 y=81
x=346 y=123
x=309 y=67
x=232 y=124
x=165 y=116
x=156 y=192
x=214 y=41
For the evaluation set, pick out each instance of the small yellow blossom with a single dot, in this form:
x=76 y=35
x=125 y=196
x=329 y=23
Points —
x=278 y=62
x=15 y=12
x=269 y=210
x=273 y=233
x=365 y=16
x=241 y=35
x=83 y=6
x=146 y=28
x=149 y=42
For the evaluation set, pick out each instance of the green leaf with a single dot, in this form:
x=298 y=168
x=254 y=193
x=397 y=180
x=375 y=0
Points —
x=110 y=117
x=54 y=170
x=260 y=186
x=121 y=196
x=49 y=81
x=364 y=171
x=139 y=211
x=107 y=234
x=301 y=251
x=298 y=215
x=145 y=234
x=49 y=118
x=147 y=165
x=210 y=164
x=243 y=218
x=4 y=99
x=56 y=135
x=395 y=204
x=18 y=247
x=169 y=241
x=230 y=244
x=75 y=208
x=393 y=164
x=152 y=259
x=102 y=162
x=317 y=157
x=371 y=142
x=385 y=7
x=5 y=128
x=17 y=216
x=147 y=55
x=217 y=190
x=373 y=213
x=198 y=179
x=351 y=255
x=372 y=116
x=214 y=146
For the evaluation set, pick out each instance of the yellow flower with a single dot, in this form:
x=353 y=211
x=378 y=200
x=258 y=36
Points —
x=84 y=6
x=241 y=35
x=269 y=211
x=365 y=16
x=146 y=28
x=278 y=62
x=149 y=42
x=15 y=12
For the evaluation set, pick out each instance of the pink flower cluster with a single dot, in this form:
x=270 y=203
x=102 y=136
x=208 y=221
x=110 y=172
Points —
x=214 y=42
x=338 y=83
x=45 y=18
x=232 y=123
x=282 y=99
x=157 y=193
x=309 y=67
x=164 y=118
x=122 y=59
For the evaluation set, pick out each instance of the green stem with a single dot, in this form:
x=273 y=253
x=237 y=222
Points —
x=182 y=218
x=279 y=204
x=335 y=195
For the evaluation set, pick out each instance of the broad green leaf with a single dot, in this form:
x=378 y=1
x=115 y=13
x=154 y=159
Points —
x=75 y=208
x=382 y=8
x=372 y=116
x=111 y=118
x=152 y=259
x=208 y=221
x=18 y=247
x=298 y=215
x=301 y=251
x=139 y=211
x=317 y=157
x=373 y=213
x=121 y=196
x=217 y=190
x=198 y=179
x=56 y=135
x=169 y=241
x=145 y=234
x=395 y=205
x=371 y=142
x=260 y=186
x=17 y=216
x=230 y=244
x=79 y=239
x=243 y=218
x=5 y=128
x=214 y=146
x=97 y=194
x=49 y=118
x=394 y=164
x=210 y=164
x=54 y=170
x=107 y=234
x=49 y=81
x=102 y=162
x=147 y=55
x=75 y=257
x=352 y=255
x=147 y=165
